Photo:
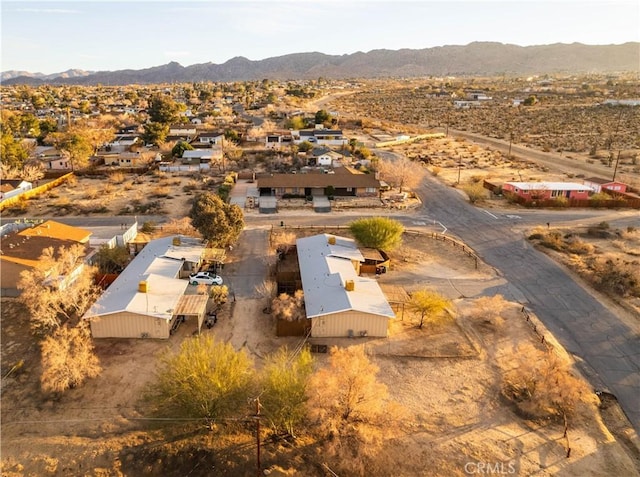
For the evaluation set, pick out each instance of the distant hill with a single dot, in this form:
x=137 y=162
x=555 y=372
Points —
x=8 y=75
x=479 y=58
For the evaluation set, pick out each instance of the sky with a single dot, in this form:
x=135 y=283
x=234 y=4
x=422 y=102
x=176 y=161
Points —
x=53 y=36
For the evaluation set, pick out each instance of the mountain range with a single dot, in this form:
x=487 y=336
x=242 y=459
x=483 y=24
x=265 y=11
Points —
x=478 y=58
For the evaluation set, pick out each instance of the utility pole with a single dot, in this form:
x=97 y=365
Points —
x=257 y=418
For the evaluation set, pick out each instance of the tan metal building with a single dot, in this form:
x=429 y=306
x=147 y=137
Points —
x=338 y=301
x=148 y=298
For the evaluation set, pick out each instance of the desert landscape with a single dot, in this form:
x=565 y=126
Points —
x=479 y=387
x=447 y=379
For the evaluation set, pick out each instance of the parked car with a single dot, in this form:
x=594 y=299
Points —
x=206 y=278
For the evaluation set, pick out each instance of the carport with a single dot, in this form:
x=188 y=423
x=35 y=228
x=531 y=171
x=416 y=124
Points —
x=191 y=306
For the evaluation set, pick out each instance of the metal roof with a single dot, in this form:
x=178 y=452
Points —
x=157 y=264
x=550 y=186
x=325 y=269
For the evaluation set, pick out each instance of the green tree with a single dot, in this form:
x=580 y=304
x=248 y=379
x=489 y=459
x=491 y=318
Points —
x=112 y=259
x=305 y=146
x=77 y=145
x=180 y=147
x=155 y=133
x=68 y=359
x=163 y=109
x=284 y=380
x=428 y=304
x=323 y=117
x=232 y=135
x=46 y=127
x=13 y=152
x=218 y=222
x=377 y=232
x=205 y=379
x=296 y=123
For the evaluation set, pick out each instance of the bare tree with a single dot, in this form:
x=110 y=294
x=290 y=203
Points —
x=402 y=172
x=58 y=289
x=68 y=359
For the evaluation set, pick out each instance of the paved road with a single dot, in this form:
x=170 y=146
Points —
x=607 y=350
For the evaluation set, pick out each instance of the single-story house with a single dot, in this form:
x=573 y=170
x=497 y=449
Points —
x=148 y=299
x=277 y=140
x=13 y=187
x=323 y=156
x=22 y=250
x=127 y=159
x=597 y=184
x=182 y=130
x=548 y=190
x=204 y=156
x=208 y=138
x=340 y=182
x=52 y=158
x=325 y=137
x=122 y=143
x=338 y=301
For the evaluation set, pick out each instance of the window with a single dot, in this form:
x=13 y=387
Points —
x=556 y=193
x=370 y=190
x=349 y=189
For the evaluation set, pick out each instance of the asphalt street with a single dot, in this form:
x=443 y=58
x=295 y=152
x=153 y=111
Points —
x=606 y=349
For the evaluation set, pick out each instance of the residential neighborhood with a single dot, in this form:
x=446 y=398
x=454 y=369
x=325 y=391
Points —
x=163 y=228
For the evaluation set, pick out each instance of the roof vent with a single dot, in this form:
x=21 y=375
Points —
x=176 y=241
x=143 y=286
x=332 y=240
x=349 y=285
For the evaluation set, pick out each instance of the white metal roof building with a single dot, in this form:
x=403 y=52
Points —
x=338 y=301
x=143 y=300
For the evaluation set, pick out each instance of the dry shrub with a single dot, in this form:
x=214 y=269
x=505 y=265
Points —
x=541 y=385
x=435 y=171
x=616 y=275
x=219 y=294
x=108 y=188
x=180 y=227
x=91 y=193
x=283 y=241
x=488 y=309
x=289 y=308
x=350 y=411
x=117 y=177
x=553 y=240
x=161 y=191
x=579 y=247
